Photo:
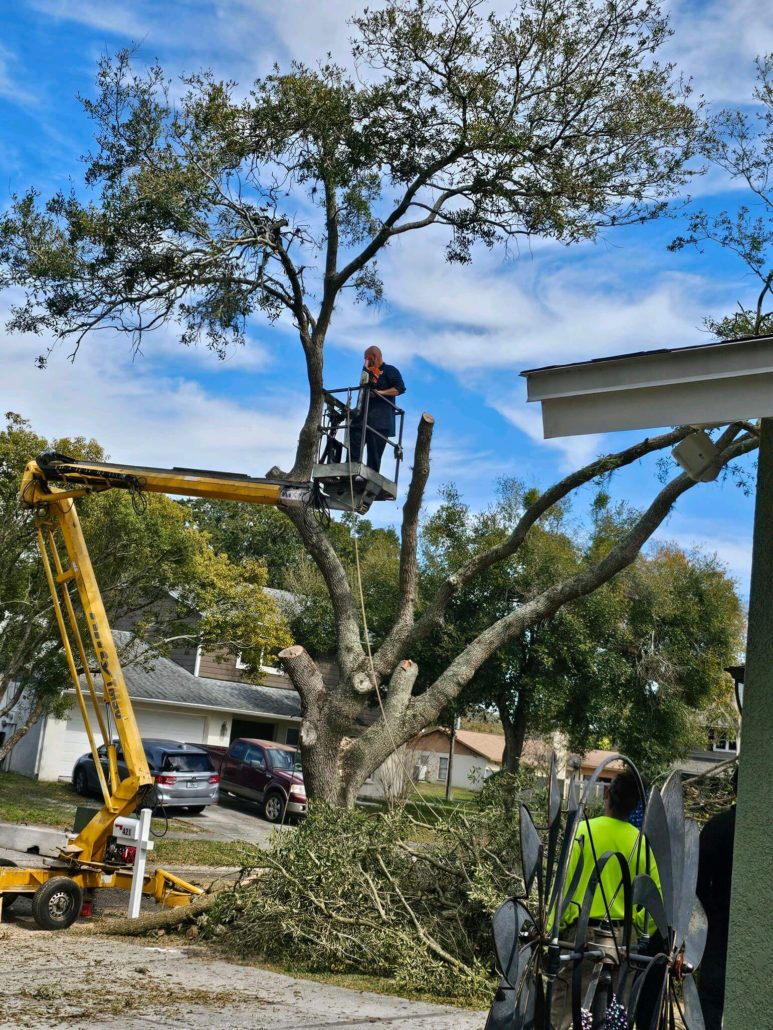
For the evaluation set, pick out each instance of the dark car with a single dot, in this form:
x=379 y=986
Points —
x=262 y=771
x=184 y=774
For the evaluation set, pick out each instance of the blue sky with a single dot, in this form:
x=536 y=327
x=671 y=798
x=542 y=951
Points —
x=460 y=336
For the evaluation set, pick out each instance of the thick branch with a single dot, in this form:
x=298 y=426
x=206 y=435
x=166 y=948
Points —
x=389 y=651
x=480 y=562
x=349 y=647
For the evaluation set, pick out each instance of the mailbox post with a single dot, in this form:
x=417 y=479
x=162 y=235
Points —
x=137 y=833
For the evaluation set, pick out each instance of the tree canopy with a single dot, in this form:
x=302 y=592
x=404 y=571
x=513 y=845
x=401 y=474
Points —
x=211 y=207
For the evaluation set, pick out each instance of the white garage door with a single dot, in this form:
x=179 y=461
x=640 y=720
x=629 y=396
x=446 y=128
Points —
x=67 y=739
x=171 y=725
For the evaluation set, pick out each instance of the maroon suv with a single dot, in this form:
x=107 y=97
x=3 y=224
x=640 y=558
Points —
x=262 y=771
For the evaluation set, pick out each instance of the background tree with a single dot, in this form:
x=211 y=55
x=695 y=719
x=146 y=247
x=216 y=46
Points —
x=633 y=665
x=741 y=143
x=554 y=121
x=153 y=570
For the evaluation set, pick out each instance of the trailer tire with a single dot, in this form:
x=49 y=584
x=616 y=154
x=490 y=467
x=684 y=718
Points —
x=8 y=899
x=57 y=903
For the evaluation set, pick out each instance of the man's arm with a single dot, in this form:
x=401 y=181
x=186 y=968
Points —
x=393 y=383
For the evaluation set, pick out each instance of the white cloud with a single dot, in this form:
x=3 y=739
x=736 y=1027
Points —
x=143 y=417
x=11 y=87
x=716 y=42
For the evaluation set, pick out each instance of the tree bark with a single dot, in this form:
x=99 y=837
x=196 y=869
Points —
x=514 y=727
x=34 y=714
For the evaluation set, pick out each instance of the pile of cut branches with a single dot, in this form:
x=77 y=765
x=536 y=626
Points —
x=351 y=891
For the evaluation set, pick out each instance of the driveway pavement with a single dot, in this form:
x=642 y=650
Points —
x=231 y=819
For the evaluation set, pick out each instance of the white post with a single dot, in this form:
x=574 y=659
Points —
x=143 y=845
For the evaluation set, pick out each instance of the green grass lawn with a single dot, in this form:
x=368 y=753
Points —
x=42 y=803
x=203 y=852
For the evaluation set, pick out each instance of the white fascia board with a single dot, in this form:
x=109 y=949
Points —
x=706 y=402
x=654 y=369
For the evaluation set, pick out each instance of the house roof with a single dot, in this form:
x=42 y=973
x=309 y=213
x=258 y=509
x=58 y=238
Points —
x=591 y=760
x=488 y=745
x=165 y=682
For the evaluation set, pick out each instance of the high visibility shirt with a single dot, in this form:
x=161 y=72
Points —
x=602 y=834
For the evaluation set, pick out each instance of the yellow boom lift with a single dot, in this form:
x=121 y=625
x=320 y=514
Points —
x=93 y=858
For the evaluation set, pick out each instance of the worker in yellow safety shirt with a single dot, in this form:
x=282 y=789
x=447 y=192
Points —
x=609 y=832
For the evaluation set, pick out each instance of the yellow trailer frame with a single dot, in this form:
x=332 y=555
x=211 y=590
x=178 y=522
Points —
x=82 y=861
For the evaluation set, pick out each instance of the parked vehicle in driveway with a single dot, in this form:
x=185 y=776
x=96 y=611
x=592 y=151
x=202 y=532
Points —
x=260 y=770
x=184 y=774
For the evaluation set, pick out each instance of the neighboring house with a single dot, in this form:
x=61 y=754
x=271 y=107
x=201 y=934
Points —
x=169 y=701
x=476 y=757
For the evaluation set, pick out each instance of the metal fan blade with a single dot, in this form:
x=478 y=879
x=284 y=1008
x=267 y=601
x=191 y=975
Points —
x=693 y=1012
x=646 y=894
x=502 y=1012
x=673 y=804
x=531 y=848
x=658 y=836
x=509 y=919
x=686 y=895
x=554 y=821
x=695 y=939
x=652 y=979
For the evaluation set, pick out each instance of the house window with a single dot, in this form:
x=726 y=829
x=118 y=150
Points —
x=725 y=744
x=242 y=665
x=442 y=769
x=291 y=737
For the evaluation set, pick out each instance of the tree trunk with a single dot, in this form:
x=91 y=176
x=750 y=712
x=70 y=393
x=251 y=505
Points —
x=32 y=717
x=515 y=730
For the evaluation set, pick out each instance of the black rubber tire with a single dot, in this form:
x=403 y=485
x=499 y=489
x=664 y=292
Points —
x=57 y=903
x=196 y=809
x=8 y=899
x=80 y=782
x=274 y=807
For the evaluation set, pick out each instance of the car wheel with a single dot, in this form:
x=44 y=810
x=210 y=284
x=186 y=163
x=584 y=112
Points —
x=57 y=904
x=274 y=808
x=8 y=899
x=196 y=809
x=81 y=781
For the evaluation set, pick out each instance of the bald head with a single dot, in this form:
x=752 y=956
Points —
x=373 y=356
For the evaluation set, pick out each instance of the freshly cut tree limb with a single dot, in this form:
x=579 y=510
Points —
x=165 y=919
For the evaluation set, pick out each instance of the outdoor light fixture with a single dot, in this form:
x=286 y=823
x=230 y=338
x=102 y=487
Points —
x=738 y=672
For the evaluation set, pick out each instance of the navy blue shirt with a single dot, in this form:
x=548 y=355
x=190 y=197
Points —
x=381 y=412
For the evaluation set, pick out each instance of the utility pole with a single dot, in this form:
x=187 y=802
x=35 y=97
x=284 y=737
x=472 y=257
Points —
x=457 y=723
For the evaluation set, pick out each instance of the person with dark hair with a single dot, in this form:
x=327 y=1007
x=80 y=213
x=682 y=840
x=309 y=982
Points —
x=611 y=831
x=384 y=384
x=715 y=872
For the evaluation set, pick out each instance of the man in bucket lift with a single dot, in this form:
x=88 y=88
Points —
x=383 y=381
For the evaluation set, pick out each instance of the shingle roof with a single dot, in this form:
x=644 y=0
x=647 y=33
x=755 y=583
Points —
x=159 y=679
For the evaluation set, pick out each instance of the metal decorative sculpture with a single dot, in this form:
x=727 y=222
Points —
x=633 y=983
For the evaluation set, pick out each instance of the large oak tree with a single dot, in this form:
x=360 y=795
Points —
x=555 y=121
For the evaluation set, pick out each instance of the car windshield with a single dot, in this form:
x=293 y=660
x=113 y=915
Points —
x=182 y=762
x=287 y=761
